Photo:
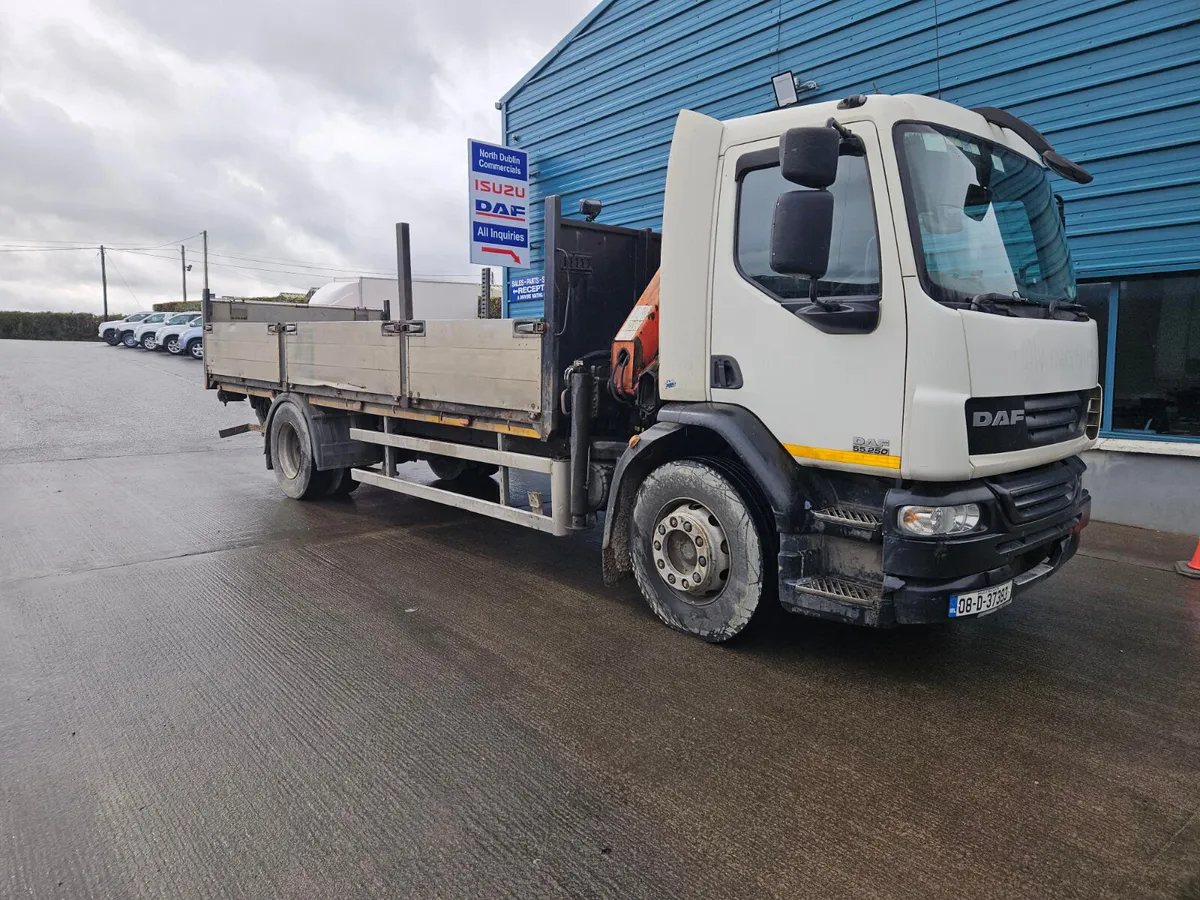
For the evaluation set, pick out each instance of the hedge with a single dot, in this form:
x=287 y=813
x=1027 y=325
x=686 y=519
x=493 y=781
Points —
x=51 y=326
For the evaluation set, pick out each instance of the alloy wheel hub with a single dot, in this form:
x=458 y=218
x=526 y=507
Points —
x=689 y=549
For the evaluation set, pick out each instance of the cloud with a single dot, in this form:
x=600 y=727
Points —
x=299 y=131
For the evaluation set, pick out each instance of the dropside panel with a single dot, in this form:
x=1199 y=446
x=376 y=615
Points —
x=348 y=356
x=243 y=350
x=480 y=363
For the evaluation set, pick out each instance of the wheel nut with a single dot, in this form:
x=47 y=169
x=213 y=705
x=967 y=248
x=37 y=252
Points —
x=696 y=577
x=671 y=579
x=661 y=564
x=662 y=529
x=703 y=561
x=674 y=522
x=658 y=545
x=687 y=526
x=699 y=540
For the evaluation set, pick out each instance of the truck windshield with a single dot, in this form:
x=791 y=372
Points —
x=983 y=219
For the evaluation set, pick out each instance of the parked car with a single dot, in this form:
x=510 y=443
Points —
x=192 y=342
x=167 y=339
x=147 y=333
x=114 y=330
x=130 y=336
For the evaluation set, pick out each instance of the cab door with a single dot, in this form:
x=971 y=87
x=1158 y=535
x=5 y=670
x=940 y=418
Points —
x=827 y=378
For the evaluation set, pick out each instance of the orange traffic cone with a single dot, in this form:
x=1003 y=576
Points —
x=1190 y=569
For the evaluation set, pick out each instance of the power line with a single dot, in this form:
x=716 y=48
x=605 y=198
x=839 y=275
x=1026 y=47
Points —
x=31 y=244
x=126 y=283
x=303 y=264
x=7 y=249
x=347 y=274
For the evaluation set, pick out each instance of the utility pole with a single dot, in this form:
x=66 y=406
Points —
x=183 y=269
x=104 y=281
x=205 y=295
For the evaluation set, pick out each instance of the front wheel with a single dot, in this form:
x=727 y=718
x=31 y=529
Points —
x=698 y=550
x=148 y=342
x=172 y=345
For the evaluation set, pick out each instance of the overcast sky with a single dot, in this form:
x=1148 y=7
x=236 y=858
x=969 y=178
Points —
x=299 y=130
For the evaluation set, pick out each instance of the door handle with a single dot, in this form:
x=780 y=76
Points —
x=529 y=326
x=726 y=373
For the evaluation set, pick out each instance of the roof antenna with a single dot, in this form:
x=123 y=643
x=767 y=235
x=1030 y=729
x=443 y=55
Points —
x=874 y=85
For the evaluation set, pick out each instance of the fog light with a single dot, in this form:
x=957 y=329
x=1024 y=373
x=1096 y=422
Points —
x=931 y=521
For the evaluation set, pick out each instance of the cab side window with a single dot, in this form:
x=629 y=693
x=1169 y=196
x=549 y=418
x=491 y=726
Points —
x=853 y=271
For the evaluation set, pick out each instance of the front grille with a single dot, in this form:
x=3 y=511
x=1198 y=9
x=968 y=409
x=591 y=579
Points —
x=1037 y=493
x=1050 y=418
x=1007 y=424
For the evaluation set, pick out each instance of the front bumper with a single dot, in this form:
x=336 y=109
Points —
x=917 y=600
x=1032 y=523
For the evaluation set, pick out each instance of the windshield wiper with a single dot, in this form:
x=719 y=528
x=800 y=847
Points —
x=995 y=302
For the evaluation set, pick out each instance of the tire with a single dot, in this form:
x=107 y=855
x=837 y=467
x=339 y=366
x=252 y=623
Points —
x=129 y=340
x=147 y=341
x=195 y=348
x=292 y=456
x=172 y=345
x=446 y=468
x=111 y=337
x=339 y=483
x=683 y=509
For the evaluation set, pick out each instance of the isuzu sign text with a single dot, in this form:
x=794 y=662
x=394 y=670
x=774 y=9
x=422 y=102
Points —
x=499 y=193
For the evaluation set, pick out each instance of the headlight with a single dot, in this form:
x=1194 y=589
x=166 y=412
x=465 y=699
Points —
x=930 y=521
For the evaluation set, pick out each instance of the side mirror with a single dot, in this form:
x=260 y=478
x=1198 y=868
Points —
x=809 y=156
x=801 y=233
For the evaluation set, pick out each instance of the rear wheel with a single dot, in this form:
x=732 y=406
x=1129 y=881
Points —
x=446 y=468
x=698 y=550
x=339 y=483
x=292 y=455
x=196 y=349
x=129 y=340
x=111 y=337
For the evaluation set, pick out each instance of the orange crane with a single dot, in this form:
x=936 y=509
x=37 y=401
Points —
x=635 y=348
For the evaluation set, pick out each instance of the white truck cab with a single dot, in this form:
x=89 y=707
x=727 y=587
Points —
x=850 y=377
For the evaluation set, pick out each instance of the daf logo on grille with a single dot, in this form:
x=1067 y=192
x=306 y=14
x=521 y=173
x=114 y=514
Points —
x=984 y=418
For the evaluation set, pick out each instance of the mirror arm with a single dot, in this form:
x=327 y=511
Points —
x=852 y=144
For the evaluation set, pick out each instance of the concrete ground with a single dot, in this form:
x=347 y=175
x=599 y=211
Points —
x=207 y=691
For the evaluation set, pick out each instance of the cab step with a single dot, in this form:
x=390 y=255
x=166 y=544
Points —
x=842 y=589
x=862 y=523
x=834 y=598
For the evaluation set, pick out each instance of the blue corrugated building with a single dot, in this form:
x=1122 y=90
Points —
x=1114 y=84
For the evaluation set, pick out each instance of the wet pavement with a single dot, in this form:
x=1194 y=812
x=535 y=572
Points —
x=207 y=690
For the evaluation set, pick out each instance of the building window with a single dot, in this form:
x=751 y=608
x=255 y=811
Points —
x=854 y=255
x=1156 y=371
x=1096 y=298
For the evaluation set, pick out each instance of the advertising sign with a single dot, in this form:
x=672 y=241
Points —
x=529 y=288
x=499 y=196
